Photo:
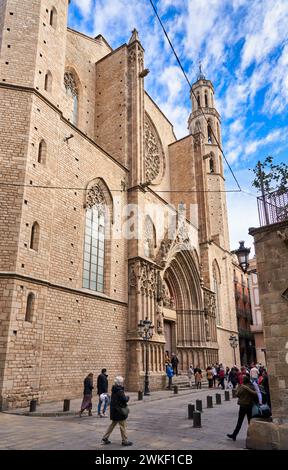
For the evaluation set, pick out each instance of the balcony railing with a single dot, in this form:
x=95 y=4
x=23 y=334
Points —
x=273 y=207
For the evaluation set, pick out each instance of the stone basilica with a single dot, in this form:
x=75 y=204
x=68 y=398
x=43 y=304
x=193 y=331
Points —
x=83 y=148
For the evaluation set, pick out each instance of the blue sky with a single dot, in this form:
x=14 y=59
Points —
x=243 y=46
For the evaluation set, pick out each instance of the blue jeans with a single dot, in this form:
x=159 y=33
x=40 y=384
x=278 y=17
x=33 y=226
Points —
x=105 y=406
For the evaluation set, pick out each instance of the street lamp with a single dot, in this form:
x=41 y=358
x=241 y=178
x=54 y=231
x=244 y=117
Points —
x=234 y=343
x=145 y=330
x=243 y=256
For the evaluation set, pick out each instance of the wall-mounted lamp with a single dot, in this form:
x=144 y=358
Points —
x=69 y=137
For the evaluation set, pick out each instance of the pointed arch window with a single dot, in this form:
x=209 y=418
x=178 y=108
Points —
x=149 y=238
x=53 y=18
x=30 y=307
x=48 y=82
x=206 y=100
x=72 y=93
x=42 y=148
x=209 y=132
x=35 y=236
x=198 y=100
x=211 y=164
x=94 y=245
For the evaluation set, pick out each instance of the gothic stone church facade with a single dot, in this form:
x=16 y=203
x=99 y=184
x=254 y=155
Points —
x=80 y=142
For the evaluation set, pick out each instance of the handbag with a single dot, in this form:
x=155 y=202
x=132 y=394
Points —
x=125 y=411
x=261 y=411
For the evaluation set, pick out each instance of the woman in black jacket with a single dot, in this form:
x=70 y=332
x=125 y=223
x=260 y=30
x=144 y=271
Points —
x=118 y=412
x=87 y=395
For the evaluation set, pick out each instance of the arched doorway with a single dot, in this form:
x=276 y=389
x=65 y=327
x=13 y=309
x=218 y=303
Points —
x=182 y=277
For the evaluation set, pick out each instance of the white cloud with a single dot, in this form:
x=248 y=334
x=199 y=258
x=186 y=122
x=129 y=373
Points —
x=214 y=30
x=239 y=204
x=269 y=22
x=85 y=6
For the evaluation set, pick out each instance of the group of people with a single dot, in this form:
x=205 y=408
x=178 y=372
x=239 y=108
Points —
x=171 y=365
x=118 y=403
x=252 y=387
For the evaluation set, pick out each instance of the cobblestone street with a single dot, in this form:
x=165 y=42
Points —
x=157 y=422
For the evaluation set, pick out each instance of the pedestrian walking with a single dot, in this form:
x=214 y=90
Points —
x=247 y=396
x=190 y=375
x=254 y=373
x=167 y=359
x=175 y=362
x=102 y=389
x=209 y=373
x=198 y=378
x=169 y=373
x=118 y=412
x=87 y=395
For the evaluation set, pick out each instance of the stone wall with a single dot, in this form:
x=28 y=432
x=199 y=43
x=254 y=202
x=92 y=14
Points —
x=271 y=253
x=112 y=104
x=82 y=52
x=71 y=332
x=2 y=19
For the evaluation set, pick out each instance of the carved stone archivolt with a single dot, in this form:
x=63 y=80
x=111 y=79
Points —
x=96 y=198
x=181 y=238
x=154 y=155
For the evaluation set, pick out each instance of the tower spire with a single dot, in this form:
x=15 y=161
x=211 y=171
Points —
x=200 y=75
x=134 y=36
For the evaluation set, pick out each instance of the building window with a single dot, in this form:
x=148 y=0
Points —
x=209 y=132
x=53 y=18
x=41 y=158
x=35 y=236
x=94 y=245
x=211 y=165
x=149 y=238
x=48 y=82
x=72 y=94
x=198 y=100
x=206 y=100
x=30 y=307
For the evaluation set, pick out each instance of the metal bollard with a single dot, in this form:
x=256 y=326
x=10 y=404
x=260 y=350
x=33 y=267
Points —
x=175 y=389
x=66 y=405
x=199 y=405
x=191 y=409
x=33 y=404
x=196 y=419
x=209 y=401
x=140 y=395
x=218 y=399
x=227 y=395
x=234 y=393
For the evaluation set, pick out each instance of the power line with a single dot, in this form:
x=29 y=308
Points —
x=192 y=91
x=77 y=188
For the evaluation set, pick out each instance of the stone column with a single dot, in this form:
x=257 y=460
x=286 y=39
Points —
x=271 y=246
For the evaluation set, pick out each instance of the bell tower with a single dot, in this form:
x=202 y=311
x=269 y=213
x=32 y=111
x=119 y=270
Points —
x=206 y=120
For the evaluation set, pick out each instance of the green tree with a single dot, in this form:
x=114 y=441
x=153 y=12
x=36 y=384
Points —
x=269 y=177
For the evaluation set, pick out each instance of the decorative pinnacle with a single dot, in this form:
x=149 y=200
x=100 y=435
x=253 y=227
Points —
x=134 y=36
x=200 y=75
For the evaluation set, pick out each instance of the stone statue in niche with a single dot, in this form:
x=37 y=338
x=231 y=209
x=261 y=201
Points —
x=207 y=328
x=160 y=318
